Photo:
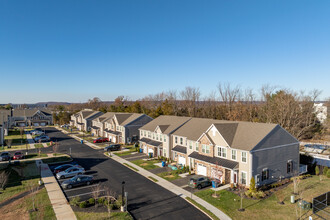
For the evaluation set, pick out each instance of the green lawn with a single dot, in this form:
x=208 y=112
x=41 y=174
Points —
x=172 y=175
x=102 y=215
x=203 y=208
x=133 y=168
x=258 y=209
x=17 y=142
x=57 y=159
x=153 y=179
x=130 y=148
x=38 y=145
x=148 y=165
x=31 y=156
x=45 y=209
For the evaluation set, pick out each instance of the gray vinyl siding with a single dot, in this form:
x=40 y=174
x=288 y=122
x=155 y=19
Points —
x=273 y=153
x=132 y=128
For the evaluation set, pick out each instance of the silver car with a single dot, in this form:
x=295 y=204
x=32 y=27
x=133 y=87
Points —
x=70 y=172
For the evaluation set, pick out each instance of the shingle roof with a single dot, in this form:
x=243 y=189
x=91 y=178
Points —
x=151 y=142
x=85 y=114
x=227 y=131
x=131 y=118
x=112 y=132
x=4 y=115
x=180 y=149
x=171 y=123
x=194 y=128
x=29 y=112
x=215 y=160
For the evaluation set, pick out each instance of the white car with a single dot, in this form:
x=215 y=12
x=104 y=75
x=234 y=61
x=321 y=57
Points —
x=70 y=172
x=38 y=132
x=42 y=138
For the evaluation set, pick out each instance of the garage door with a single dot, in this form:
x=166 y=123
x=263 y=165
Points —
x=36 y=124
x=182 y=160
x=201 y=169
x=43 y=124
x=145 y=149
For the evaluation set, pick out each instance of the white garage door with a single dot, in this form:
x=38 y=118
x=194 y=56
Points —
x=43 y=124
x=182 y=160
x=36 y=124
x=150 y=150
x=201 y=169
x=145 y=149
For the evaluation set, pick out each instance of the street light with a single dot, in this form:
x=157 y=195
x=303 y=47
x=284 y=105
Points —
x=122 y=196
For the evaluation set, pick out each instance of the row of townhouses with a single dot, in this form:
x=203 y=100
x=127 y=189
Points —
x=117 y=127
x=21 y=118
x=230 y=151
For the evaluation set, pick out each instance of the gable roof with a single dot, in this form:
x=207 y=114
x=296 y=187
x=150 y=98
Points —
x=194 y=128
x=29 y=112
x=130 y=119
x=162 y=128
x=169 y=123
x=4 y=115
x=227 y=131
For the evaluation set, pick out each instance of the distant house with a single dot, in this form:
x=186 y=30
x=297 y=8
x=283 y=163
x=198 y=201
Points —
x=124 y=127
x=230 y=151
x=99 y=123
x=83 y=119
x=30 y=117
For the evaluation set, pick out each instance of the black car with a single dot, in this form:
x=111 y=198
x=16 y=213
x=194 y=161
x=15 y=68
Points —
x=112 y=147
x=78 y=180
x=5 y=156
x=64 y=167
x=199 y=182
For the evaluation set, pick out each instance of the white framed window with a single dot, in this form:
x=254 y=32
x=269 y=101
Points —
x=141 y=133
x=233 y=155
x=196 y=146
x=190 y=145
x=157 y=136
x=265 y=174
x=149 y=134
x=205 y=148
x=243 y=177
x=181 y=141
x=289 y=166
x=222 y=152
x=161 y=137
x=153 y=136
x=244 y=157
x=176 y=140
x=164 y=138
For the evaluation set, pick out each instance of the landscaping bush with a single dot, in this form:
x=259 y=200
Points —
x=91 y=201
x=101 y=200
x=328 y=174
x=317 y=170
x=325 y=170
x=252 y=185
x=83 y=204
x=249 y=194
x=260 y=194
x=75 y=201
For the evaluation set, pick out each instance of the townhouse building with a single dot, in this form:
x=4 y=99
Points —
x=232 y=152
x=83 y=119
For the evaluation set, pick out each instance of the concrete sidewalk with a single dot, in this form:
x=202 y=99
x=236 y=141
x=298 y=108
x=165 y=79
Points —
x=62 y=209
x=30 y=140
x=165 y=184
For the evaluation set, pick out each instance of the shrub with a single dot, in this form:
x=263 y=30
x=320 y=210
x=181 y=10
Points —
x=252 y=185
x=325 y=170
x=83 y=204
x=91 y=201
x=260 y=194
x=317 y=170
x=249 y=194
x=328 y=174
x=100 y=200
x=75 y=201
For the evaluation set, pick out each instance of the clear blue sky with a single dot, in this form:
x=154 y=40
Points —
x=75 y=50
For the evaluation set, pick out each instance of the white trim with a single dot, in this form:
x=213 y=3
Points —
x=278 y=146
x=218 y=133
x=217 y=146
x=242 y=156
x=246 y=179
x=206 y=137
x=231 y=154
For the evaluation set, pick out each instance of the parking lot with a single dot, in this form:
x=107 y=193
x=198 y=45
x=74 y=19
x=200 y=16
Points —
x=84 y=192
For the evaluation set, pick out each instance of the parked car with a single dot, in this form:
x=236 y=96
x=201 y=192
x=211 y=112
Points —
x=5 y=156
x=100 y=140
x=78 y=180
x=37 y=132
x=112 y=147
x=18 y=155
x=199 y=182
x=64 y=167
x=41 y=138
x=70 y=172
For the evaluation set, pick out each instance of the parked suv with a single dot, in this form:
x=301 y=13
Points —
x=112 y=147
x=199 y=182
x=5 y=156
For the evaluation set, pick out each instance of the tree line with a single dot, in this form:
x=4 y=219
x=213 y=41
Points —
x=294 y=111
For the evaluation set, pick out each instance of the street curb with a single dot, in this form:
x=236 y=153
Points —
x=185 y=198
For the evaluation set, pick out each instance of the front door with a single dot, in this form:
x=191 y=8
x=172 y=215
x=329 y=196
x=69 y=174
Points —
x=235 y=177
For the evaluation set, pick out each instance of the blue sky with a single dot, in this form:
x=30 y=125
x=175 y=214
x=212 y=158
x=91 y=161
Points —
x=76 y=50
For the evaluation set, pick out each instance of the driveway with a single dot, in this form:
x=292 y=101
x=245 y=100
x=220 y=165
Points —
x=146 y=200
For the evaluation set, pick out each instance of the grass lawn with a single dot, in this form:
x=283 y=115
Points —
x=103 y=215
x=38 y=145
x=258 y=209
x=202 y=208
x=130 y=148
x=30 y=156
x=148 y=165
x=169 y=175
x=153 y=179
x=57 y=159
x=45 y=209
x=18 y=143
x=133 y=168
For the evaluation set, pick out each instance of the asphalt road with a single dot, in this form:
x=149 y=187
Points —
x=146 y=199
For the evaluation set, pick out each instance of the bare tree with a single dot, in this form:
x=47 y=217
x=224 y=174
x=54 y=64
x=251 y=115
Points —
x=33 y=188
x=55 y=147
x=4 y=175
x=96 y=190
x=190 y=97
x=110 y=196
x=241 y=189
x=9 y=142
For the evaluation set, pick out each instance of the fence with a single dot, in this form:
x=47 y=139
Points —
x=320 y=204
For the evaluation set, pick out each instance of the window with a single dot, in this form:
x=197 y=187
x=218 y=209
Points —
x=244 y=157
x=153 y=136
x=176 y=140
x=233 y=154
x=141 y=133
x=181 y=141
x=161 y=137
x=243 y=179
x=149 y=134
x=157 y=136
x=196 y=146
x=190 y=145
x=145 y=133
x=265 y=174
x=257 y=178
x=222 y=152
x=205 y=148
x=164 y=138
x=289 y=166
x=175 y=155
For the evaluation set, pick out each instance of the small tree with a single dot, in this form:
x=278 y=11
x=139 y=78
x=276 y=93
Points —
x=253 y=185
x=55 y=147
x=317 y=170
x=241 y=189
x=9 y=142
x=33 y=188
x=110 y=196
x=96 y=189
